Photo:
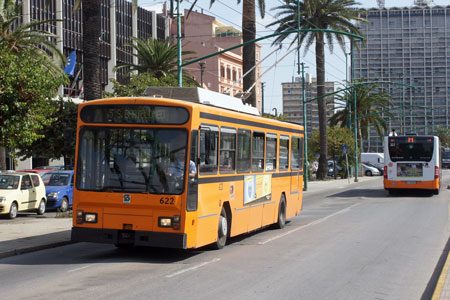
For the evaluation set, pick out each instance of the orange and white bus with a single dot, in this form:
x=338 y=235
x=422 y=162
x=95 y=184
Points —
x=412 y=162
x=237 y=172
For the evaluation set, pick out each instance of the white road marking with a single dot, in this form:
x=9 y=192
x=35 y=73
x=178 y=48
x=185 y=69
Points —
x=78 y=269
x=192 y=268
x=309 y=224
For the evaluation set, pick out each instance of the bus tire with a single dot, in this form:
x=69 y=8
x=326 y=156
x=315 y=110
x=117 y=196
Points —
x=391 y=192
x=436 y=192
x=222 y=231
x=281 y=221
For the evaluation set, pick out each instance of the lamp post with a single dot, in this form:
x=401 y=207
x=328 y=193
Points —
x=356 y=112
x=305 y=131
x=202 y=69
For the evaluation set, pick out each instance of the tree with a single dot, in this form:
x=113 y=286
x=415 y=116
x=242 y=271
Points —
x=319 y=14
x=91 y=11
x=337 y=137
x=19 y=38
x=58 y=140
x=444 y=135
x=369 y=107
x=249 y=51
x=138 y=83
x=159 y=59
x=26 y=90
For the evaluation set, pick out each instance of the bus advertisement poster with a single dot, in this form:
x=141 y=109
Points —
x=409 y=170
x=257 y=187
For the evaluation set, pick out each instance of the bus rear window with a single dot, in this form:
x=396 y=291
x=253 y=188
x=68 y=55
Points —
x=134 y=114
x=411 y=148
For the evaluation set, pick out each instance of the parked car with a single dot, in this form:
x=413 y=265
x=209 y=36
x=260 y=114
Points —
x=376 y=159
x=370 y=170
x=20 y=191
x=37 y=171
x=331 y=168
x=56 y=168
x=59 y=189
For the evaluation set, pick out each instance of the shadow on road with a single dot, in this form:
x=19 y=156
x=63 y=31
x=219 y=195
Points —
x=368 y=193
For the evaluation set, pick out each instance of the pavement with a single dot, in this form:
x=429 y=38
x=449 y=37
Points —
x=28 y=233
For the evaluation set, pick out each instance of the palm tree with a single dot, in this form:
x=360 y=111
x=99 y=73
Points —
x=369 y=107
x=248 y=34
x=319 y=14
x=19 y=37
x=156 y=58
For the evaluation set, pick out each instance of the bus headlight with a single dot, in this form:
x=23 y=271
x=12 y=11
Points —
x=80 y=215
x=90 y=218
x=165 y=222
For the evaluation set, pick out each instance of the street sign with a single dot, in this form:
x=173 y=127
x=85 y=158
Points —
x=344 y=149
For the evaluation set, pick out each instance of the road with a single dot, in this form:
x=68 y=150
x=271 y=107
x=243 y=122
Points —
x=354 y=242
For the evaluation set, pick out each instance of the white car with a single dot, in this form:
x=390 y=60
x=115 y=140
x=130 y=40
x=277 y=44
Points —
x=20 y=191
x=370 y=170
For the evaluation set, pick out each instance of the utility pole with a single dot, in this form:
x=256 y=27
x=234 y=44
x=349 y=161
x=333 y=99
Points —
x=356 y=111
x=262 y=98
x=179 y=62
x=202 y=69
x=305 y=132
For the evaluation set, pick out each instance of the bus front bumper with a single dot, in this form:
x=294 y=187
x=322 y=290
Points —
x=136 y=238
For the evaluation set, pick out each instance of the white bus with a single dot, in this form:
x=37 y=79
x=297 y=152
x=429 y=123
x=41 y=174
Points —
x=412 y=162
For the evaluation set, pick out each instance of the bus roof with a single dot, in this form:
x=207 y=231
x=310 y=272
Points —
x=199 y=95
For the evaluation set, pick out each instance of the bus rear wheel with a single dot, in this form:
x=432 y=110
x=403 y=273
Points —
x=436 y=192
x=281 y=214
x=222 y=232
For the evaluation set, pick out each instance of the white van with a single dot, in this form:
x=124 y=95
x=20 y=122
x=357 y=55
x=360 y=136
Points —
x=376 y=159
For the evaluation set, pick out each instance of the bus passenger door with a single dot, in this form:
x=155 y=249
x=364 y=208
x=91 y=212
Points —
x=192 y=189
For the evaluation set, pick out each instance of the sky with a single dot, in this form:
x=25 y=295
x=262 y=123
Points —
x=230 y=13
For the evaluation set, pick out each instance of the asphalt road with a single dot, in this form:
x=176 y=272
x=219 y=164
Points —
x=354 y=242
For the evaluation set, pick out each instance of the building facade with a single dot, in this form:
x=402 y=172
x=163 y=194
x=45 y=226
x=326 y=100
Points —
x=293 y=105
x=411 y=46
x=222 y=73
x=118 y=23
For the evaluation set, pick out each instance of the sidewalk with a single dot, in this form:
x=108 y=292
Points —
x=27 y=235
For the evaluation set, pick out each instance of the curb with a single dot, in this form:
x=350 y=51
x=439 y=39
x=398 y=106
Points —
x=33 y=249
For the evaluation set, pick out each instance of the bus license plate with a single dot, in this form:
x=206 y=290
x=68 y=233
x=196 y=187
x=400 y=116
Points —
x=411 y=182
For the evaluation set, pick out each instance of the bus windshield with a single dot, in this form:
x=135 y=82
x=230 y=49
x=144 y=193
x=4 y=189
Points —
x=411 y=148
x=132 y=160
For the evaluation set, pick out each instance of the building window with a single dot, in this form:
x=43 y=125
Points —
x=222 y=71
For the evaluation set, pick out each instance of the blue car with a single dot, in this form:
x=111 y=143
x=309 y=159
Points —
x=59 y=189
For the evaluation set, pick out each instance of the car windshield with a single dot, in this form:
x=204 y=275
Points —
x=9 y=182
x=369 y=165
x=56 y=179
x=134 y=160
x=446 y=154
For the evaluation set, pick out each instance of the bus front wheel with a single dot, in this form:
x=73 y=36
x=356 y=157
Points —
x=281 y=214
x=222 y=231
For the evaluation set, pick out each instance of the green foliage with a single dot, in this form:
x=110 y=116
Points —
x=26 y=90
x=159 y=59
x=58 y=140
x=370 y=107
x=26 y=37
x=336 y=138
x=280 y=117
x=138 y=84
x=444 y=135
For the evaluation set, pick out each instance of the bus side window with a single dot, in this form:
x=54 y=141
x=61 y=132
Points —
x=300 y=153
x=244 y=150
x=284 y=152
x=209 y=142
x=271 y=152
x=295 y=164
x=258 y=152
x=227 y=150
